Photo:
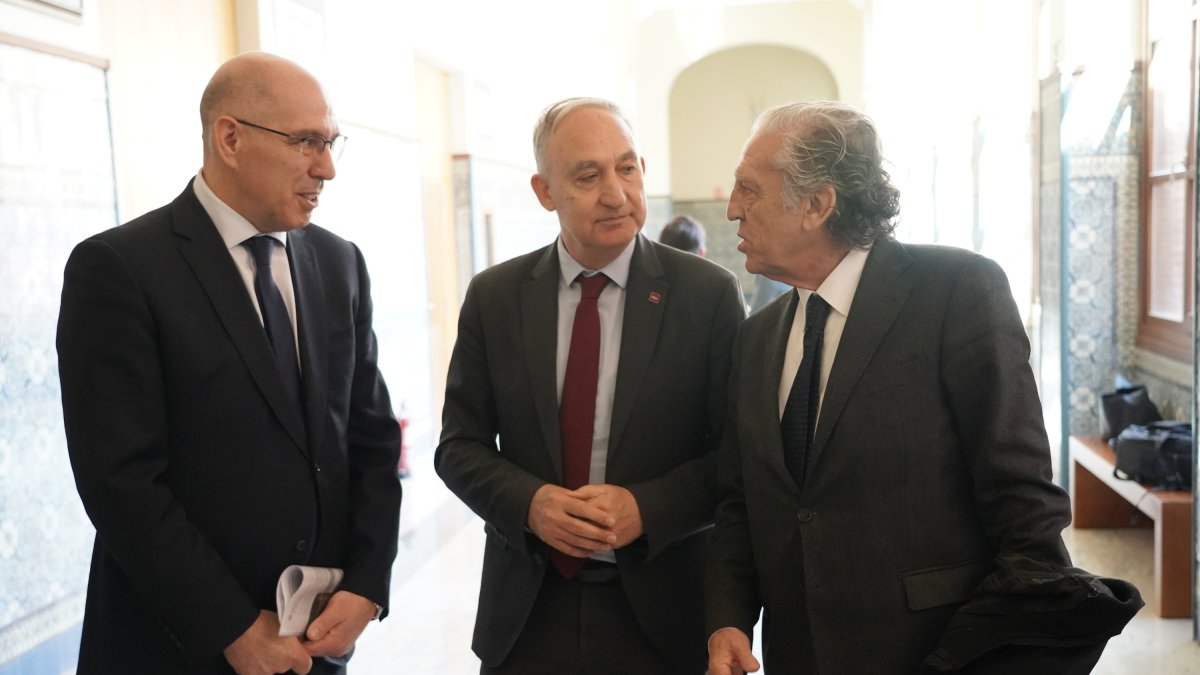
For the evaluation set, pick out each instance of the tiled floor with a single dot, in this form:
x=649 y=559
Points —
x=436 y=580
x=1149 y=645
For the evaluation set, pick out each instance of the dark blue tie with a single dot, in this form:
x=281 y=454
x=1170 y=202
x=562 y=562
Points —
x=800 y=412
x=275 y=316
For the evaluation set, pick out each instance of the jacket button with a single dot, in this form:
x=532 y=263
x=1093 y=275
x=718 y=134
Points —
x=805 y=515
x=301 y=544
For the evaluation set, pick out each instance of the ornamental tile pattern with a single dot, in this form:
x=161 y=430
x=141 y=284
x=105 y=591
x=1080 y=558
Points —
x=56 y=188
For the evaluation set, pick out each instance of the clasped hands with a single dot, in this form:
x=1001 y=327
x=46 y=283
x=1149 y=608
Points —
x=590 y=519
x=260 y=650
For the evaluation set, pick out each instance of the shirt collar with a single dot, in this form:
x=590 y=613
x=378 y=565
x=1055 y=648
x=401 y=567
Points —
x=617 y=271
x=231 y=225
x=839 y=287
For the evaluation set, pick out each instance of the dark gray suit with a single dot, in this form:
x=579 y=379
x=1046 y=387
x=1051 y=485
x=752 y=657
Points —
x=681 y=313
x=929 y=459
x=202 y=481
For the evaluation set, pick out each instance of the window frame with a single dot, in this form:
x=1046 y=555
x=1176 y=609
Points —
x=1172 y=339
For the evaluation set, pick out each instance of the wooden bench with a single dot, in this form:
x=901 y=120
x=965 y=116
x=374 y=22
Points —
x=1100 y=499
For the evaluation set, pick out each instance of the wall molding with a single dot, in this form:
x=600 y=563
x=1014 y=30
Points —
x=26 y=633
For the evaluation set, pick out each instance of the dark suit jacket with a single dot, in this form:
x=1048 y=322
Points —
x=681 y=313
x=201 y=481
x=930 y=458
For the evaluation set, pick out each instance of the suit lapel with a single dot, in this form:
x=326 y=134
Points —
x=539 y=338
x=646 y=299
x=313 y=332
x=880 y=296
x=206 y=255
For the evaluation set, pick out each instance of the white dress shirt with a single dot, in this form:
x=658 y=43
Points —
x=837 y=290
x=235 y=229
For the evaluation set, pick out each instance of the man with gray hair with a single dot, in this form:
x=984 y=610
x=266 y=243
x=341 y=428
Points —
x=884 y=453
x=583 y=410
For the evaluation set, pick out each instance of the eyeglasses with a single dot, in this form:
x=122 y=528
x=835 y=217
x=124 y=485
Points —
x=314 y=143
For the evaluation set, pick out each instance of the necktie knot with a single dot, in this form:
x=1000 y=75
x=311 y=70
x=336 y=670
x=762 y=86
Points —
x=261 y=248
x=276 y=321
x=815 y=313
x=592 y=286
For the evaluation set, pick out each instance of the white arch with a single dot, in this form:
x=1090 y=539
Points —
x=671 y=40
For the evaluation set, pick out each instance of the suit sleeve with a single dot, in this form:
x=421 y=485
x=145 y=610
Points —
x=730 y=577
x=113 y=392
x=994 y=401
x=373 y=447
x=468 y=458
x=680 y=502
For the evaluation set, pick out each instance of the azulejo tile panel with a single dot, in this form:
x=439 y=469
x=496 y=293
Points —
x=56 y=188
x=1099 y=139
x=1091 y=312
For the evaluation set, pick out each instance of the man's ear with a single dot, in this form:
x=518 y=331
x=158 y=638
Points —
x=819 y=207
x=226 y=140
x=542 y=189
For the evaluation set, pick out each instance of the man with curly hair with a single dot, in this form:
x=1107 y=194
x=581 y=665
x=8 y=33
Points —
x=884 y=451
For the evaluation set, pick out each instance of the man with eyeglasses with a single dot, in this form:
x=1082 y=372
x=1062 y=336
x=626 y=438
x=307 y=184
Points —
x=225 y=415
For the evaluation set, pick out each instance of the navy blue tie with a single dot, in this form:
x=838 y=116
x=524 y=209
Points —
x=800 y=412
x=275 y=316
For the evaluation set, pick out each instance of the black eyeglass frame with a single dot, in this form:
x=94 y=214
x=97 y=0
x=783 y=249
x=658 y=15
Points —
x=309 y=144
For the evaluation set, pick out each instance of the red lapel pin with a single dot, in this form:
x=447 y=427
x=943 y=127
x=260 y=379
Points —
x=654 y=297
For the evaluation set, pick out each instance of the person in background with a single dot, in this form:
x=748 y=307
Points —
x=583 y=409
x=684 y=233
x=885 y=472
x=224 y=412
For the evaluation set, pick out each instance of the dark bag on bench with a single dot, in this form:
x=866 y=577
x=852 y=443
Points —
x=1157 y=454
x=1127 y=404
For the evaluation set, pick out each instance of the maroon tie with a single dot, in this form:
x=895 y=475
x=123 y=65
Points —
x=577 y=411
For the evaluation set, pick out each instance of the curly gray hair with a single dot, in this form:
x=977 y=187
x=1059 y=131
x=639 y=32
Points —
x=830 y=144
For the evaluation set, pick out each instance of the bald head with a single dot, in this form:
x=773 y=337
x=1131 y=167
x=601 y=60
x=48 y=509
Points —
x=260 y=113
x=250 y=86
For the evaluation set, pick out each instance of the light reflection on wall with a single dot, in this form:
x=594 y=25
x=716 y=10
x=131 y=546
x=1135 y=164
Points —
x=955 y=115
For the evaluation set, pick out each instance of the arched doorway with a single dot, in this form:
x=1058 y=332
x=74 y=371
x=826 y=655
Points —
x=712 y=104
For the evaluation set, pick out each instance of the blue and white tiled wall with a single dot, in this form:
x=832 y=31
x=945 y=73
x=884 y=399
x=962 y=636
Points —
x=1089 y=239
x=56 y=187
x=1089 y=282
x=1092 y=250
